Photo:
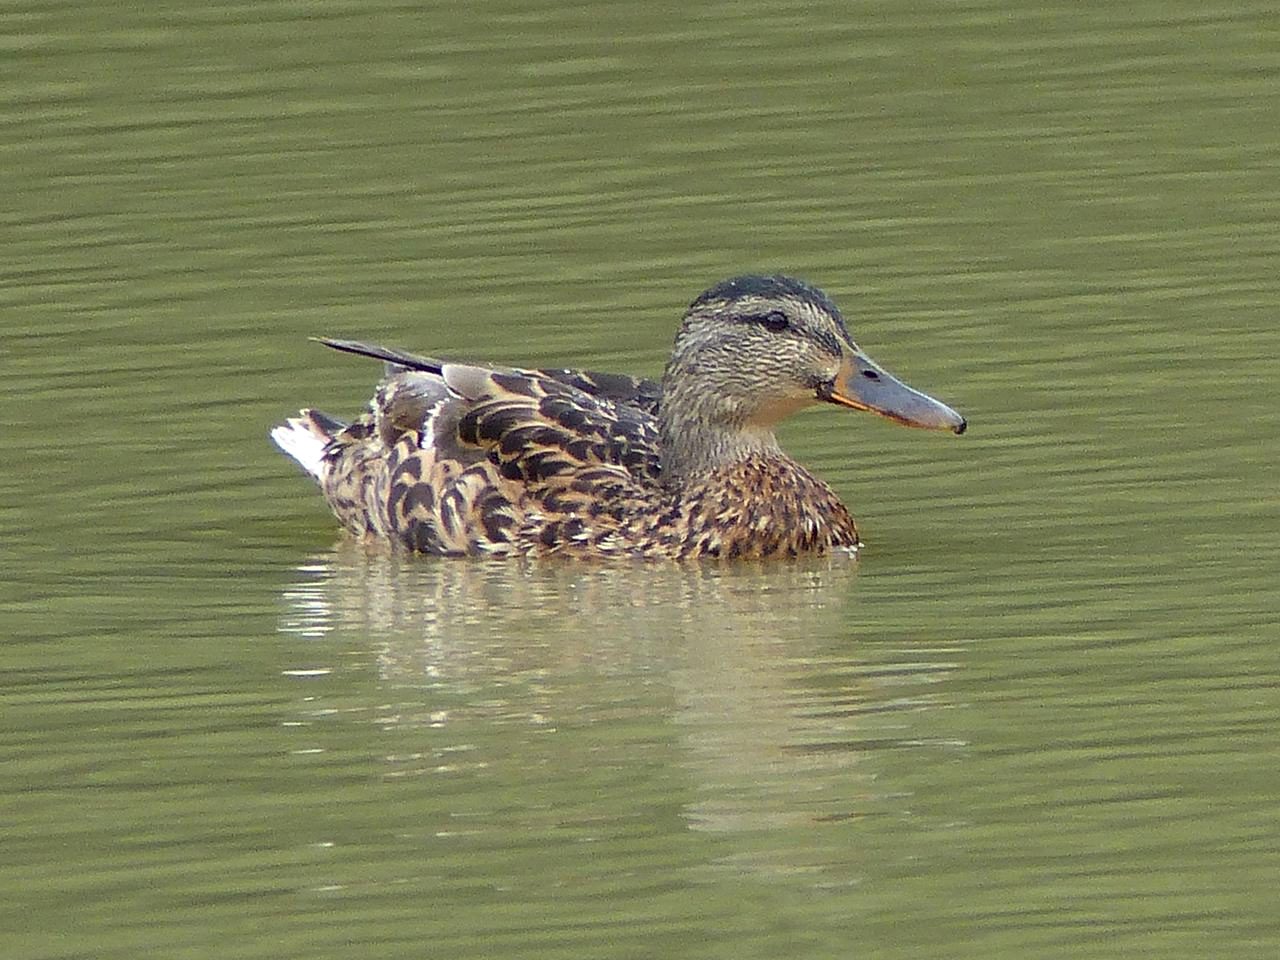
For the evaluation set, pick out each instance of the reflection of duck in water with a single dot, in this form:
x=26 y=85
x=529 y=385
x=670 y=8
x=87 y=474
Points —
x=728 y=637
x=492 y=619
x=748 y=696
x=456 y=459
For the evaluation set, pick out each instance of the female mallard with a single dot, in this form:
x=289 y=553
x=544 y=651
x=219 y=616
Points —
x=455 y=459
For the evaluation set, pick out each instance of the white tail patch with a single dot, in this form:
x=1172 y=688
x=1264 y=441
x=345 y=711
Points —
x=304 y=440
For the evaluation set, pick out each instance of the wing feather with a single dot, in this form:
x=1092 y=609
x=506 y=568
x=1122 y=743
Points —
x=478 y=459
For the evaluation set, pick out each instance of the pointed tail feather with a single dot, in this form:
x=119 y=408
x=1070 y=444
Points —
x=398 y=358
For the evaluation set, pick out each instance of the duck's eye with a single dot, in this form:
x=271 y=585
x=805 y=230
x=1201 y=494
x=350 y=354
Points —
x=774 y=320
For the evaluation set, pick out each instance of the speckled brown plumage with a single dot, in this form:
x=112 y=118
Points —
x=453 y=459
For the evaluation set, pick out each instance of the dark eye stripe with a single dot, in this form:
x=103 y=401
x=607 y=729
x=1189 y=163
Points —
x=774 y=320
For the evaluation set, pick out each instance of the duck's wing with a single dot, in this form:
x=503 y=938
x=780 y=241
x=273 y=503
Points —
x=459 y=458
x=536 y=428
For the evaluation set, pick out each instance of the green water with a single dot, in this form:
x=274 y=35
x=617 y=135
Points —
x=1037 y=719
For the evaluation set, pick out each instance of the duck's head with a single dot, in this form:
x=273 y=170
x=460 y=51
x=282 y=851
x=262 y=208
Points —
x=755 y=349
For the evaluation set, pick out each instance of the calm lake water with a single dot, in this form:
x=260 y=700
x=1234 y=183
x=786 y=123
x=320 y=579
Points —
x=1040 y=718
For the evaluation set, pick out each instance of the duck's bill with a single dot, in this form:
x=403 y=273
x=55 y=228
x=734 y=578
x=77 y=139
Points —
x=863 y=385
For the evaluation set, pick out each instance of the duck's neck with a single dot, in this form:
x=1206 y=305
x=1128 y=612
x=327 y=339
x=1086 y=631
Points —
x=704 y=438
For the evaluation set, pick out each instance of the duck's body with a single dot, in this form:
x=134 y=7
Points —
x=455 y=459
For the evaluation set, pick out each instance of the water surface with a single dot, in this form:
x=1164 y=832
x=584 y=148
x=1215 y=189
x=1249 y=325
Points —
x=1036 y=719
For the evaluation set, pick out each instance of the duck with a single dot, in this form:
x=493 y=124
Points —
x=470 y=460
